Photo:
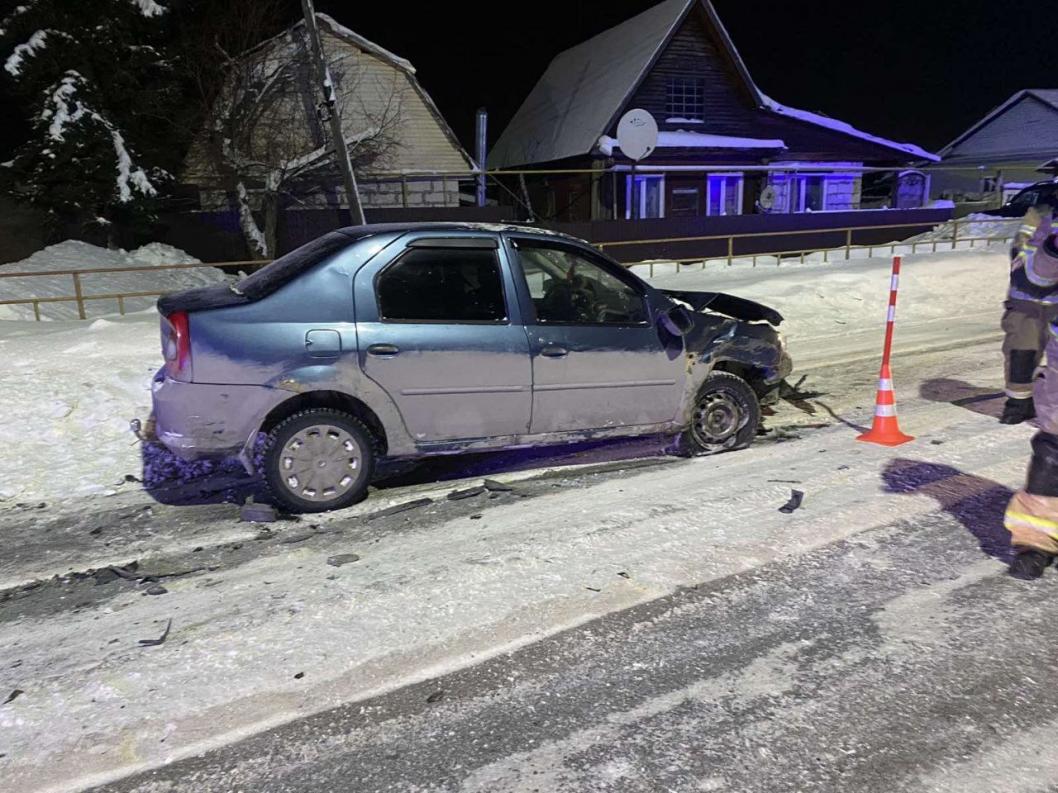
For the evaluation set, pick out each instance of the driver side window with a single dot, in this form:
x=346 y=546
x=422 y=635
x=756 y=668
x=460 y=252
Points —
x=567 y=288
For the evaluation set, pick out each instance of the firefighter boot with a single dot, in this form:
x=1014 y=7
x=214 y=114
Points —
x=1016 y=411
x=1029 y=564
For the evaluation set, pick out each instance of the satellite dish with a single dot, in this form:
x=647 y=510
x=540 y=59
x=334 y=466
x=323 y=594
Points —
x=767 y=197
x=637 y=134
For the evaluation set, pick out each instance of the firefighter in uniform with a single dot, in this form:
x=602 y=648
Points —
x=1031 y=306
x=1032 y=514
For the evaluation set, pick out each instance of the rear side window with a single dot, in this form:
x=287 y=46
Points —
x=442 y=285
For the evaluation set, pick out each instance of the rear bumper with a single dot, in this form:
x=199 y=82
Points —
x=196 y=420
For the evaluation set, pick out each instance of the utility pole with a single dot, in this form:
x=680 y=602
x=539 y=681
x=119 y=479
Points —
x=482 y=143
x=330 y=104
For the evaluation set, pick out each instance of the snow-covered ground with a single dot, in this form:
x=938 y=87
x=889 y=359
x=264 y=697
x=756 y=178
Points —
x=280 y=633
x=975 y=225
x=72 y=387
x=77 y=255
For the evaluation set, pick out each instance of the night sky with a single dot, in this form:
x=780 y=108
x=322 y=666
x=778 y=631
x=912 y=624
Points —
x=915 y=70
x=919 y=71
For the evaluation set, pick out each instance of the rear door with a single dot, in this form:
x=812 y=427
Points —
x=599 y=360
x=438 y=331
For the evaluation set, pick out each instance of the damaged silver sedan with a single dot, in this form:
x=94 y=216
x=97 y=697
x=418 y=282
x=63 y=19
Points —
x=424 y=339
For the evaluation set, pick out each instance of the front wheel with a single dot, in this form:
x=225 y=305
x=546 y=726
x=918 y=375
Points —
x=725 y=416
x=318 y=460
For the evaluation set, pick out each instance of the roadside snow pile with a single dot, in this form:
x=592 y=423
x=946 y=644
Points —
x=70 y=390
x=77 y=255
x=976 y=225
x=838 y=309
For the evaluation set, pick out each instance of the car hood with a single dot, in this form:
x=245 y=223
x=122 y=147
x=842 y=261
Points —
x=728 y=305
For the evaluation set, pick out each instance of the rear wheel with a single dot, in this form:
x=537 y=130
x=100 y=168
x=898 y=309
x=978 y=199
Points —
x=725 y=416
x=319 y=459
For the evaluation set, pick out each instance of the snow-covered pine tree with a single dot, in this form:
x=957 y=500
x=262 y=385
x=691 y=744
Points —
x=97 y=90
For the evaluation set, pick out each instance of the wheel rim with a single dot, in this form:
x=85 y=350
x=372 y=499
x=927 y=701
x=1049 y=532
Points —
x=718 y=417
x=320 y=463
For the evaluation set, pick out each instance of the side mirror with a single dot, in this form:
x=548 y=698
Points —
x=677 y=320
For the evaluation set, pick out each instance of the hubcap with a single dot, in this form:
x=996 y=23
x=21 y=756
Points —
x=717 y=418
x=320 y=463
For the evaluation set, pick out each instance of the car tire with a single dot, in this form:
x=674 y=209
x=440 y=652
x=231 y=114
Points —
x=319 y=460
x=725 y=417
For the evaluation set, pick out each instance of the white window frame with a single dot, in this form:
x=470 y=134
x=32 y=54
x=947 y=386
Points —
x=629 y=192
x=723 y=193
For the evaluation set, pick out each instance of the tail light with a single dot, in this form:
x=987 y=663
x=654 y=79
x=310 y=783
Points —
x=176 y=345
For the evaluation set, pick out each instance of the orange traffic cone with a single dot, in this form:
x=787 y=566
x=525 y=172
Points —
x=885 y=431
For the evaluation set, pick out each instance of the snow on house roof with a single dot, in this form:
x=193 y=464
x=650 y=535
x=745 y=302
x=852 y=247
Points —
x=327 y=22
x=355 y=38
x=841 y=126
x=579 y=95
x=1049 y=96
x=335 y=28
x=583 y=88
x=682 y=139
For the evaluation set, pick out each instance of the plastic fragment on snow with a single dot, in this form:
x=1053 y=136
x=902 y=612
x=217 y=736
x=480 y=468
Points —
x=497 y=487
x=398 y=508
x=796 y=498
x=470 y=492
x=161 y=639
x=15 y=694
x=342 y=558
x=296 y=538
x=257 y=513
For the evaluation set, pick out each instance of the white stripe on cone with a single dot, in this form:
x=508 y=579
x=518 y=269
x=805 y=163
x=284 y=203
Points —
x=885 y=384
x=885 y=410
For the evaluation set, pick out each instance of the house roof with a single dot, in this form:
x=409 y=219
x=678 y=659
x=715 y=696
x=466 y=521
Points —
x=577 y=99
x=1048 y=96
x=330 y=24
x=340 y=31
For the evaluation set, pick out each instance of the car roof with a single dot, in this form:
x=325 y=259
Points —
x=519 y=228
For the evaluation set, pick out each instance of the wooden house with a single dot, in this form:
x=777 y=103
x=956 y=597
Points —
x=677 y=61
x=1009 y=147
x=264 y=131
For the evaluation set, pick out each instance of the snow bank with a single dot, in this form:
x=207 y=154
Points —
x=973 y=225
x=842 y=304
x=76 y=255
x=70 y=389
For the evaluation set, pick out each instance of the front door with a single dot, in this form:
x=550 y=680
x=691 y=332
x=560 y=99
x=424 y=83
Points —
x=599 y=360
x=439 y=337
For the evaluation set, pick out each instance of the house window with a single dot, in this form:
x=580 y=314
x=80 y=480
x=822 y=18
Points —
x=685 y=98
x=807 y=193
x=644 y=196
x=685 y=202
x=724 y=194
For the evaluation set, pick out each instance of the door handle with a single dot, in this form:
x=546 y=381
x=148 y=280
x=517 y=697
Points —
x=554 y=351
x=383 y=349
